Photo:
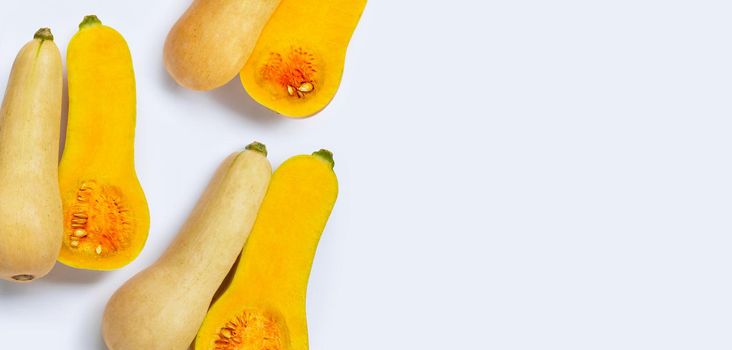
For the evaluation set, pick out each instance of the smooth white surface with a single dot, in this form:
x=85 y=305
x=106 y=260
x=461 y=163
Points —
x=514 y=175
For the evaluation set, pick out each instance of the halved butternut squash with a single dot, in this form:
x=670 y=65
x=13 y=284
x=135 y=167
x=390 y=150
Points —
x=106 y=218
x=264 y=306
x=297 y=64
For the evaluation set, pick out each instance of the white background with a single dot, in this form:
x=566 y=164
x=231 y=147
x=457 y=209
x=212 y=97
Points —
x=514 y=175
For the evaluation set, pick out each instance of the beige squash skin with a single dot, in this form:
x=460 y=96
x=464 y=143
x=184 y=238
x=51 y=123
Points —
x=163 y=306
x=213 y=39
x=30 y=203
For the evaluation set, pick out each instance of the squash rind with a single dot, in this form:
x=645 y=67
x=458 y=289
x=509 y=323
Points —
x=212 y=40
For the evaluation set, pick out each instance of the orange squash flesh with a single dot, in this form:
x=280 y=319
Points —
x=264 y=306
x=106 y=218
x=297 y=64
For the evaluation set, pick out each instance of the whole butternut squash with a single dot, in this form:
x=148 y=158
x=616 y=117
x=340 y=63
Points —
x=30 y=119
x=213 y=39
x=163 y=306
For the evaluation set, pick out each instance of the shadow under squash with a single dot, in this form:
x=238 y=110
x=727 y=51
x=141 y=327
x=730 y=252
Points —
x=234 y=97
x=64 y=116
x=62 y=274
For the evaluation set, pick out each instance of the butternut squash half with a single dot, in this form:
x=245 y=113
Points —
x=163 y=306
x=30 y=120
x=264 y=306
x=106 y=218
x=297 y=64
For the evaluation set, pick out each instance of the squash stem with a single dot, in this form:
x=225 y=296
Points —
x=89 y=21
x=257 y=147
x=43 y=34
x=326 y=156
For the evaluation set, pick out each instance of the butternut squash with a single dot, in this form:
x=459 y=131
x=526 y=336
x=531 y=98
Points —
x=163 y=306
x=264 y=306
x=30 y=119
x=297 y=64
x=210 y=43
x=106 y=217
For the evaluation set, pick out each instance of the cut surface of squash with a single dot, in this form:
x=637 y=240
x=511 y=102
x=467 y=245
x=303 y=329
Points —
x=297 y=64
x=106 y=218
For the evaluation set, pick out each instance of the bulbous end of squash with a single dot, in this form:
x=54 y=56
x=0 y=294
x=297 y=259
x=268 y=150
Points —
x=232 y=326
x=106 y=222
x=297 y=64
x=292 y=80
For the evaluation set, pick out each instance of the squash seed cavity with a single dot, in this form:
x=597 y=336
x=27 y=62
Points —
x=99 y=221
x=251 y=330
x=293 y=71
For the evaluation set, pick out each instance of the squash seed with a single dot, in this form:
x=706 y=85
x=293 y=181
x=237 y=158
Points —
x=305 y=87
x=226 y=333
